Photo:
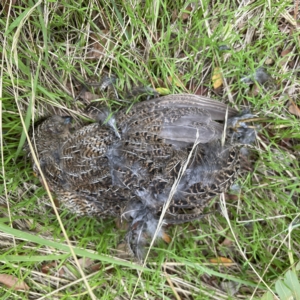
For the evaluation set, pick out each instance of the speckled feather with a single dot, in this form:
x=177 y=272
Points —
x=128 y=166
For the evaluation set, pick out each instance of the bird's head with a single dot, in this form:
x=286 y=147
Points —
x=56 y=127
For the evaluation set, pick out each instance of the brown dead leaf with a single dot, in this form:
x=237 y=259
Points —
x=293 y=108
x=174 y=15
x=63 y=271
x=286 y=56
x=166 y=238
x=13 y=282
x=227 y=242
x=286 y=52
x=56 y=202
x=85 y=262
x=187 y=12
x=222 y=261
x=96 y=267
x=51 y=268
x=255 y=90
x=48 y=266
x=88 y=96
x=217 y=78
x=159 y=82
x=231 y=197
x=101 y=43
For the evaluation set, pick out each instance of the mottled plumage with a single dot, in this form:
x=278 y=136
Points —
x=128 y=166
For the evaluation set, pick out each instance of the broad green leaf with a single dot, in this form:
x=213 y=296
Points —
x=267 y=296
x=283 y=291
x=292 y=281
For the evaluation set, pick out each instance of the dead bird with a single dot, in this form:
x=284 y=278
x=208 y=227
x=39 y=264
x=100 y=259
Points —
x=127 y=167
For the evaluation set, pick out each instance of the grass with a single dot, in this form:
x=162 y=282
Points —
x=163 y=44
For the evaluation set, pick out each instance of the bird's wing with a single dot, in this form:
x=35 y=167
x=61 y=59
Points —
x=178 y=119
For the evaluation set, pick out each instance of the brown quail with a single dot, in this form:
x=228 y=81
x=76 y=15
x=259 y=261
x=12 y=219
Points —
x=128 y=166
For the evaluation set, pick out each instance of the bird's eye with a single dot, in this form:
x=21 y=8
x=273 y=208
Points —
x=67 y=119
